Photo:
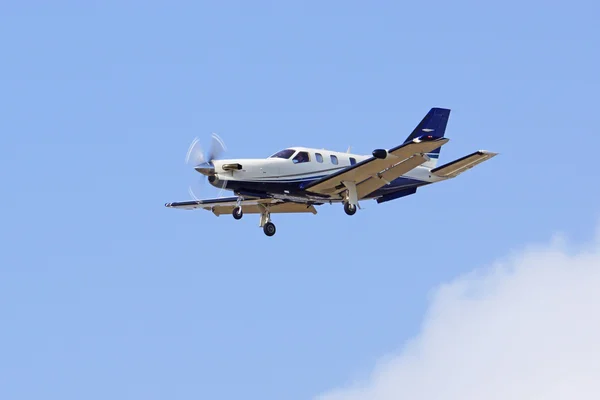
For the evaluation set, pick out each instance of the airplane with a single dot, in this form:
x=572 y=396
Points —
x=297 y=179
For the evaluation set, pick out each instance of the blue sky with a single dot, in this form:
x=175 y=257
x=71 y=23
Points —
x=106 y=293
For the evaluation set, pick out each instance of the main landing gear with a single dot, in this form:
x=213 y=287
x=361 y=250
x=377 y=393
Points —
x=350 y=209
x=265 y=219
x=351 y=197
x=269 y=229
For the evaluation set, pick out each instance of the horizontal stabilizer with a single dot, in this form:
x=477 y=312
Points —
x=457 y=167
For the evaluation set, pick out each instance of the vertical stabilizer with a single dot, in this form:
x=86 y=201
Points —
x=434 y=123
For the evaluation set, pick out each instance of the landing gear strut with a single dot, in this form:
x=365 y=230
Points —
x=351 y=198
x=350 y=209
x=237 y=211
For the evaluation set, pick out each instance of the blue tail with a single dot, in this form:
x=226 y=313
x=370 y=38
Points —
x=434 y=123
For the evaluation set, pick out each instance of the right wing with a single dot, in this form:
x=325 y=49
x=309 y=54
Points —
x=373 y=173
x=400 y=160
x=383 y=178
x=457 y=167
x=225 y=205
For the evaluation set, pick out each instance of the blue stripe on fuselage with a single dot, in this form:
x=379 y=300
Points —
x=295 y=186
x=284 y=179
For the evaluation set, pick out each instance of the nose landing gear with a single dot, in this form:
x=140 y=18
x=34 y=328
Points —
x=237 y=213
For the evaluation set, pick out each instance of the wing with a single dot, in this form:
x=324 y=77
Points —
x=457 y=167
x=226 y=205
x=383 y=178
x=380 y=171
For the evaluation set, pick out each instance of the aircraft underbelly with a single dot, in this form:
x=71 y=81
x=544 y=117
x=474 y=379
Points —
x=264 y=187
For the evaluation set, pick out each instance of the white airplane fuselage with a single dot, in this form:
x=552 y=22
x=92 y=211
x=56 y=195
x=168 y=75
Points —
x=285 y=176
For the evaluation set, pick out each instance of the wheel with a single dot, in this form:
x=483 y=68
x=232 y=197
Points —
x=237 y=213
x=269 y=229
x=350 y=209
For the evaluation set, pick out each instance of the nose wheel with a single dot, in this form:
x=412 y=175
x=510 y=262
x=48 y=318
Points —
x=237 y=213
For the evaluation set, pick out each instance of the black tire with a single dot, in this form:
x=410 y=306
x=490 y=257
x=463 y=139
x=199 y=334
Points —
x=350 y=209
x=237 y=213
x=269 y=229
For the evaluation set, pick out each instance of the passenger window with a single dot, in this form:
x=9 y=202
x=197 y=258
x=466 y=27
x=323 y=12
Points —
x=334 y=160
x=352 y=160
x=319 y=157
x=301 y=157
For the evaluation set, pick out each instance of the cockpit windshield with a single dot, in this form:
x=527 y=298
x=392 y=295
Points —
x=287 y=153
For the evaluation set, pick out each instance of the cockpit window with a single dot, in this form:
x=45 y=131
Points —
x=287 y=153
x=301 y=157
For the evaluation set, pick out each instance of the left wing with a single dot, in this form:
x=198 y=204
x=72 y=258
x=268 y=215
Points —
x=226 y=205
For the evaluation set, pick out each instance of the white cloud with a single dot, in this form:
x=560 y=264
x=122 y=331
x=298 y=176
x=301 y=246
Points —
x=524 y=328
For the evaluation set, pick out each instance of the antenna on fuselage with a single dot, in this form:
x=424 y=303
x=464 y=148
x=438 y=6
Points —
x=349 y=148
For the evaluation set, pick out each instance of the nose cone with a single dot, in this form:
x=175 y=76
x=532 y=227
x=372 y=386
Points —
x=205 y=169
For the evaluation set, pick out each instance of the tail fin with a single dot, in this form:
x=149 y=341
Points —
x=433 y=123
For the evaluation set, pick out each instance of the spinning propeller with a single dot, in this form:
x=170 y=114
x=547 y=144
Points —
x=203 y=162
x=195 y=154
